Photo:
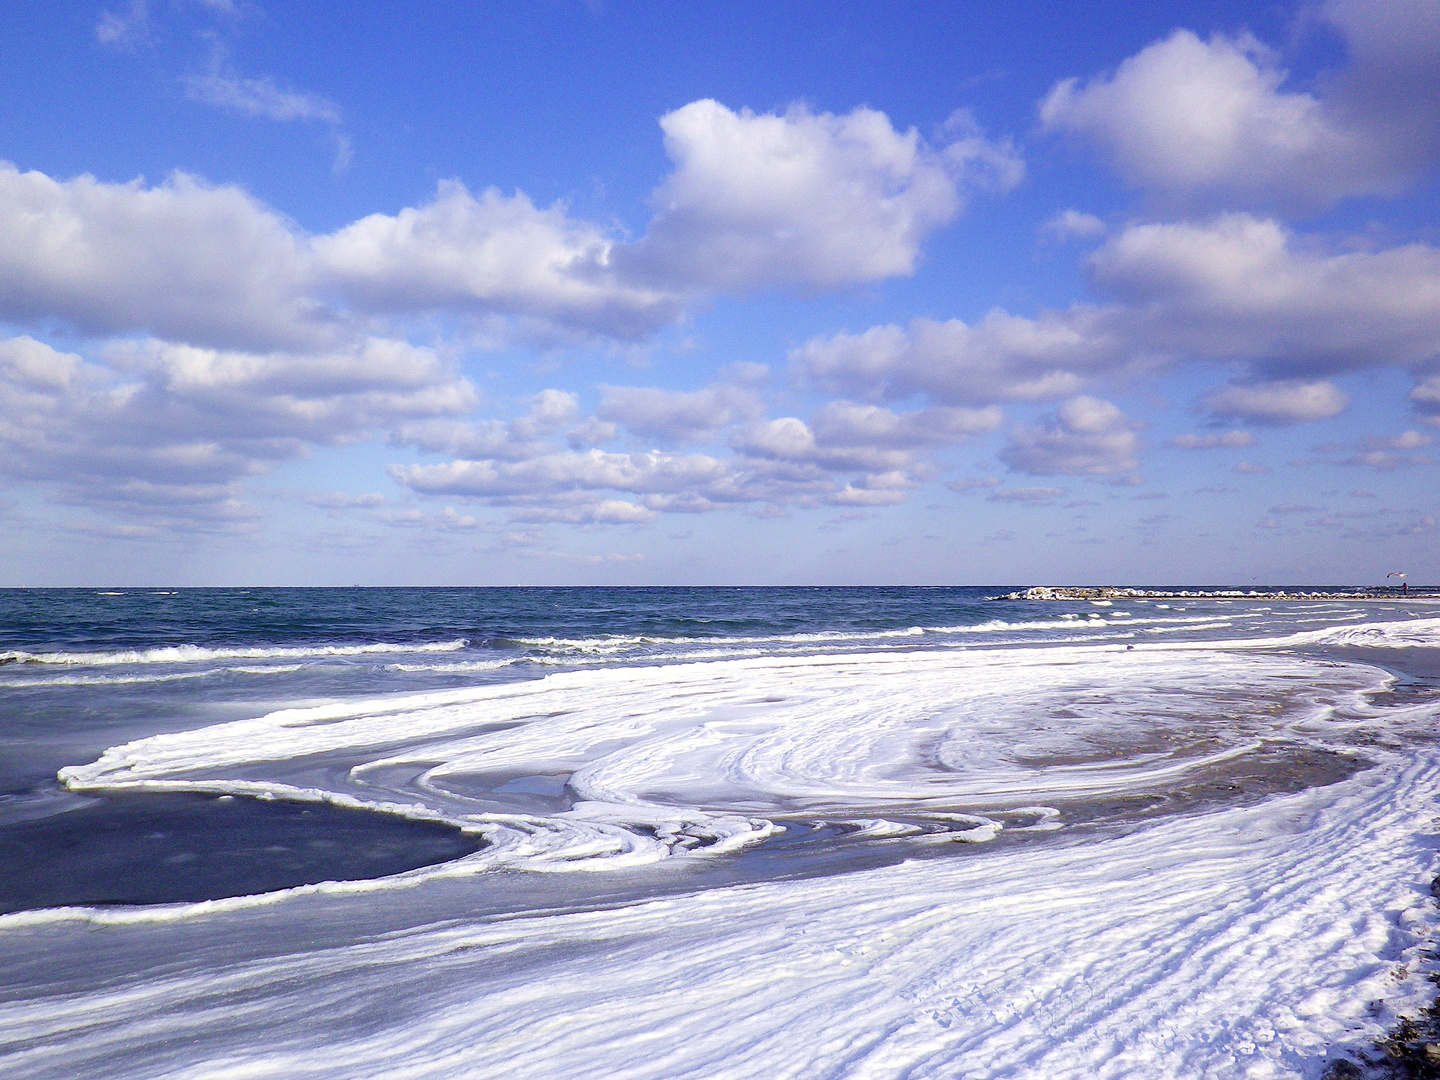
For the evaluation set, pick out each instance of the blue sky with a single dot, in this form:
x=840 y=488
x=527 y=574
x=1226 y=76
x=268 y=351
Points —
x=466 y=293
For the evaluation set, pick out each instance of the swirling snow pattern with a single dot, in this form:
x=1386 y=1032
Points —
x=1247 y=940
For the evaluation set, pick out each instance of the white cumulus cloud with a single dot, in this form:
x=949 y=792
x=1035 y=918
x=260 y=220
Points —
x=166 y=432
x=184 y=260
x=1072 y=225
x=1086 y=437
x=679 y=415
x=1233 y=289
x=1001 y=357
x=1210 y=123
x=1244 y=287
x=848 y=423
x=492 y=254
x=1276 y=403
x=815 y=200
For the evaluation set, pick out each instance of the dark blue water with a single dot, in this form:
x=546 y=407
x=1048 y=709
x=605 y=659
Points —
x=134 y=849
x=88 y=619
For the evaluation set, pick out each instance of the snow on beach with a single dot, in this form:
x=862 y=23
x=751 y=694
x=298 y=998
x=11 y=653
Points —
x=1108 y=863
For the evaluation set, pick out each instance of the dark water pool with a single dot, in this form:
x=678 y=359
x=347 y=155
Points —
x=164 y=848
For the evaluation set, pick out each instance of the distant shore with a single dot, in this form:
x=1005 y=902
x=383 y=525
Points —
x=1113 y=592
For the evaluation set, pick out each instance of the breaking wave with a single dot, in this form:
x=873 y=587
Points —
x=191 y=654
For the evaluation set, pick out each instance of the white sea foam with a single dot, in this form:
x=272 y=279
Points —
x=604 y=648
x=1242 y=943
x=612 y=643
x=610 y=648
x=1238 y=941
x=458 y=667
x=144 y=678
x=190 y=654
x=698 y=758
x=1416 y=634
x=1412 y=633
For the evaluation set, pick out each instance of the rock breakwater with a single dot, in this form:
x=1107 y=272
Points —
x=1109 y=592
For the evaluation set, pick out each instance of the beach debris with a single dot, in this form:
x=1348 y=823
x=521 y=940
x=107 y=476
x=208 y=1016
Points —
x=1408 y=1051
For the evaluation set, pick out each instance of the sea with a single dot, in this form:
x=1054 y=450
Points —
x=661 y=833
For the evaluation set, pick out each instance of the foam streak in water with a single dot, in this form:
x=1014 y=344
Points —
x=702 y=758
x=1238 y=944
x=189 y=654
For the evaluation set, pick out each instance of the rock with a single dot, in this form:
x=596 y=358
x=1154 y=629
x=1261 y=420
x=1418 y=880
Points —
x=1115 y=592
